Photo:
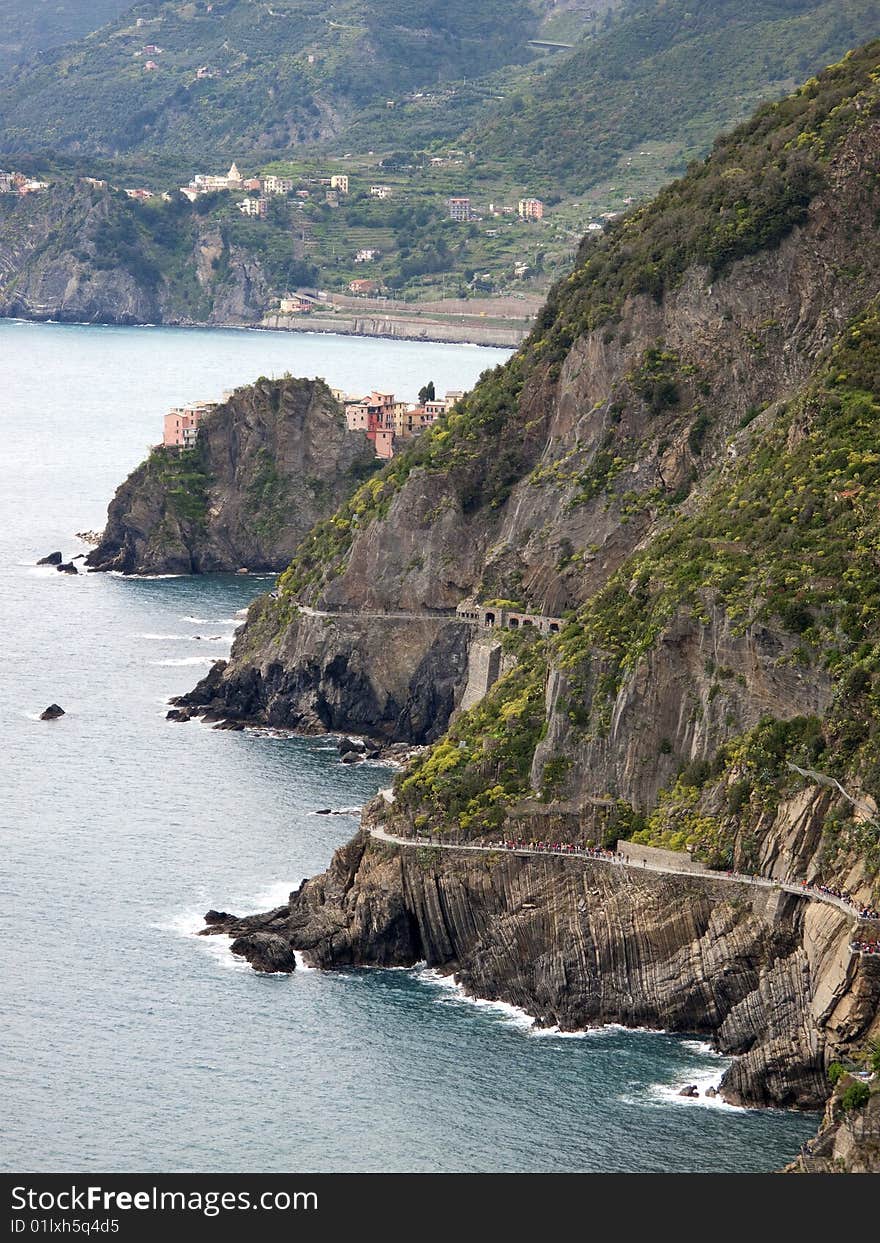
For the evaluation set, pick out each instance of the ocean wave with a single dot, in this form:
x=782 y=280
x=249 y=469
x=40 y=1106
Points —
x=161 y=637
x=184 y=660
x=454 y=994
x=669 y=1093
x=145 y=577
x=209 y=621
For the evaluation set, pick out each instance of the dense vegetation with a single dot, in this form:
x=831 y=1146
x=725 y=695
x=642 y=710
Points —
x=283 y=74
x=672 y=74
x=31 y=26
x=788 y=537
x=753 y=189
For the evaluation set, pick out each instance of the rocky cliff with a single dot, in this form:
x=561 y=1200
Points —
x=768 y=977
x=681 y=462
x=267 y=464
x=83 y=253
x=623 y=402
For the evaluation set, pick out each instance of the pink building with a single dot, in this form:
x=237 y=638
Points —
x=357 y=416
x=384 y=442
x=181 y=425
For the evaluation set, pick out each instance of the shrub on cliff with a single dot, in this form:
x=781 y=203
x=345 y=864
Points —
x=855 y=1096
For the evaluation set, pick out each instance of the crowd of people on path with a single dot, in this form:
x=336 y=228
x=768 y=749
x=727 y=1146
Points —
x=865 y=947
x=861 y=910
x=559 y=848
x=843 y=895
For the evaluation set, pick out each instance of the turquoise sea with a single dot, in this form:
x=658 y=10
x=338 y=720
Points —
x=129 y=1043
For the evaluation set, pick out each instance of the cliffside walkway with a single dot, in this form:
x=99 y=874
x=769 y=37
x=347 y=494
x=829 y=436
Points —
x=614 y=860
x=375 y=615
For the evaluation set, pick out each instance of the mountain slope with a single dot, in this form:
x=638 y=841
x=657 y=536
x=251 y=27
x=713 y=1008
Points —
x=280 y=74
x=32 y=26
x=681 y=461
x=670 y=75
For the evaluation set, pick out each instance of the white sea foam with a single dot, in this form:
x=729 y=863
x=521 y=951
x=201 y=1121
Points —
x=184 y=660
x=147 y=577
x=452 y=993
x=668 y=1093
x=275 y=894
x=210 y=621
x=149 y=634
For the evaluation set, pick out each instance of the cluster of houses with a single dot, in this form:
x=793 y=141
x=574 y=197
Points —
x=387 y=421
x=461 y=209
x=20 y=183
x=264 y=187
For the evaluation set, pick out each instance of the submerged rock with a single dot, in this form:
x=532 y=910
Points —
x=54 y=558
x=265 y=951
x=52 y=713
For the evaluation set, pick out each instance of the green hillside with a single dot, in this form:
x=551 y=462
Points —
x=32 y=26
x=274 y=75
x=672 y=73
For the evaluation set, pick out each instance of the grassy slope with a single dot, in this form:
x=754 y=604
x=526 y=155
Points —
x=32 y=26
x=96 y=95
x=673 y=73
x=790 y=537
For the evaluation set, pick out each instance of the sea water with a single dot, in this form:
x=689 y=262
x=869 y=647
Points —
x=132 y=1044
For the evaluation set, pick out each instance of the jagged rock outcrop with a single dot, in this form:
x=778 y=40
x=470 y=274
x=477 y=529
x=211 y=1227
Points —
x=392 y=677
x=268 y=463
x=595 y=448
x=848 y=1141
x=75 y=252
x=766 y=975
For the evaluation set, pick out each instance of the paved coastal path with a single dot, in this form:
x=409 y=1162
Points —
x=613 y=860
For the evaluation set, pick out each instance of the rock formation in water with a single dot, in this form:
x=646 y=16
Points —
x=680 y=467
x=267 y=464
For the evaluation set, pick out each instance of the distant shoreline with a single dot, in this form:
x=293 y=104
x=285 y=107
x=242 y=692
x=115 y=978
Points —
x=388 y=328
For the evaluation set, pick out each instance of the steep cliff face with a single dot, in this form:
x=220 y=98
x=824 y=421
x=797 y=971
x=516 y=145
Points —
x=268 y=463
x=52 y=264
x=682 y=459
x=81 y=253
x=767 y=976
x=623 y=403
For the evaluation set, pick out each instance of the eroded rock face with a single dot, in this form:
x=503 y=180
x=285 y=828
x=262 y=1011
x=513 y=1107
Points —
x=55 y=263
x=740 y=343
x=848 y=1141
x=577 y=944
x=266 y=952
x=392 y=678
x=269 y=463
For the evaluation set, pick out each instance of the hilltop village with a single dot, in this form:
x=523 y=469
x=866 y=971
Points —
x=387 y=422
